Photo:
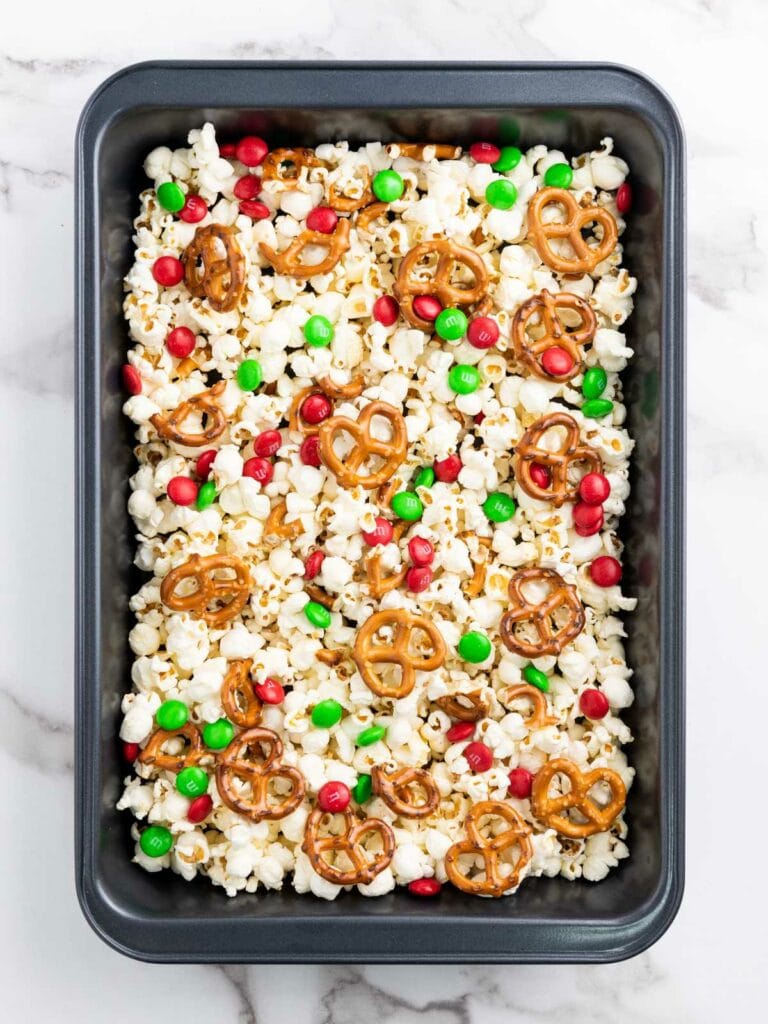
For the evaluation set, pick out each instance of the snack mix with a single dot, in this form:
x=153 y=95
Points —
x=381 y=463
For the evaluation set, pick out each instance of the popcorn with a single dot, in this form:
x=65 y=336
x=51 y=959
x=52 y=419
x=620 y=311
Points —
x=180 y=655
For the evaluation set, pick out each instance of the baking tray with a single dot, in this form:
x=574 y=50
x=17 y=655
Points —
x=159 y=917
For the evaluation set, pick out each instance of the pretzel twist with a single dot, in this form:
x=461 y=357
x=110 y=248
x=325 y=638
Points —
x=392 y=452
x=276 y=526
x=352 y=389
x=238 y=697
x=407 y=287
x=221 y=278
x=289 y=263
x=464 y=707
x=551 y=810
x=239 y=762
x=367 y=654
x=529 y=451
x=278 y=161
x=201 y=569
x=556 y=334
x=369 y=214
x=153 y=753
x=517 y=835
x=349 y=842
x=586 y=257
x=378 y=583
x=538 y=718
x=347 y=204
x=551 y=639
x=409 y=792
x=169 y=426
x=474 y=587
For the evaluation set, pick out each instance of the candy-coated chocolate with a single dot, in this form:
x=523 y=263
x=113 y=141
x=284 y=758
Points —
x=326 y=714
x=270 y=691
x=322 y=219
x=204 y=463
x=172 y=714
x=267 y=443
x=192 y=781
x=483 y=332
x=318 y=331
x=317 y=615
x=313 y=564
x=451 y=324
x=315 y=408
x=424 y=887
x=605 y=571
x=594 y=488
x=259 y=469
x=385 y=310
x=447 y=470
x=247 y=187
x=474 y=647
x=382 y=532
x=180 y=342
x=309 y=452
x=131 y=379
x=194 y=210
x=508 y=160
x=478 y=756
x=362 y=789
x=501 y=194
x=499 y=507
x=199 y=809
x=218 y=734
x=206 y=495
x=460 y=731
x=520 y=783
x=536 y=678
x=156 y=841
x=594 y=704
x=181 y=490
x=418 y=578
x=464 y=379
x=407 y=505
x=556 y=361
x=484 y=152
x=251 y=150
x=421 y=551
x=558 y=176
x=388 y=186
x=171 y=196
x=371 y=735
x=168 y=271
x=594 y=383
x=249 y=374
x=333 y=797
x=596 y=408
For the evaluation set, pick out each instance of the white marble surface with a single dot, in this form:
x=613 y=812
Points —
x=710 y=56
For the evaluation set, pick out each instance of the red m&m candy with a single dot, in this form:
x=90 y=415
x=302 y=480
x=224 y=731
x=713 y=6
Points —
x=427 y=307
x=193 y=210
x=168 y=271
x=540 y=475
x=587 y=518
x=420 y=550
x=385 y=310
x=181 y=490
x=204 y=462
x=199 y=809
x=315 y=408
x=254 y=209
x=382 y=532
x=424 y=887
x=267 y=443
x=251 y=150
x=594 y=704
x=418 y=578
x=333 y=797
x=131 y=751
x=605 y=571
x=556 y=361
x=309 y=452
x=247 y=187
x=594 y=488
x=479 y=757
x=484 y=152
x=180 y=342
x=322 y=219
x=624 y=198
x=447 y=470
x=131 y=379
x=270 y=691
x=483 y=332
x=520 y=782
x=313 y=564
x=259 y=469
x=460 y=731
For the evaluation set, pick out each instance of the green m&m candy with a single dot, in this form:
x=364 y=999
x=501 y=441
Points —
x=536 y=678
x=388 y=186
x=464 y=379
x=155 y=841
x=425 y=477
x=474 y=647
x=509 y=159
x=558 y=176
x=501 y=194
x=249 y=374
x=326 y=714
x=170 y=196
x=596 y=408
x=407 y=505
x=499 y=507
x=317 y=615
x=595 y=382
x=371 y=735
x=172 y=714
x=206 y=495
x=451 y=324
x=318 y=331
x=218 y=734
x=192 y=781
x=361 y=791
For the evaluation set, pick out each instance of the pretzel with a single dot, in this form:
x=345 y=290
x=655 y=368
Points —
x=400 y=790
x=153 y=754
x=392 y=452
x=168 y=426
x=201 y=569
x=387 y=491
x=407 y=287
x=221 y=278
x=586 y=257
x=550 y=640
x=369 y=214
x=538 y=718
x=378 y=584
x=346 y=204
x=366 y=653
x=272 y=166
x=238 y=698
x=288 y=262
x=551 y=810
x=276 y=526
x=363 y=871
x=237 y=762
x=494 y=883
x=423 y=150
x=465 y=707
x=352 y=389
x=328 y=657
x=528 y=451
x=474 y=587
x=317 y=594
x=556 y=334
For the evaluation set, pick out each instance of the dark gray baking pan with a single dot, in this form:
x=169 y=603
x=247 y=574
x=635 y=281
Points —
x=159 y=917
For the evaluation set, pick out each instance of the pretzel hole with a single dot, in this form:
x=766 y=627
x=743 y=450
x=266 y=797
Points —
x=311 y=254
x=577 y=468
x=554 y=439
x=288 y=170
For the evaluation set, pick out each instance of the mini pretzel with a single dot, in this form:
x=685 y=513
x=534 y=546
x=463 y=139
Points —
x=276 y=526
x=551 y=640
x=423 y=150
x=153 y=753
x=538 y=718
x=209 y=588
x=407 y=287
x=474 y=587
x=371 y=213
x=289 y=263
x=237 y=762
x=556 y=334
x=238 y=698
x=346 y=204
x=400 y=790
x=586 y=257
x=328 y=657
x=352 y=389
x=378 y=583
x=494 y=883
x=221 y=278
x=363 y=871
x=317 y=594
x=278 y=160
x=392 y=452
x=366 y=653
x=465 y=707
x=551 y=810
x=528 y=452
x=169 y=426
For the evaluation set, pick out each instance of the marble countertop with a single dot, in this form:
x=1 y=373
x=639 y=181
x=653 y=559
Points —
x=710 y=56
